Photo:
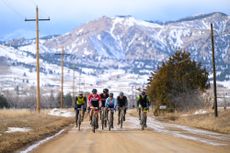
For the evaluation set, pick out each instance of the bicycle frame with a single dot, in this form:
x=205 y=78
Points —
x=122 y=114
x=103 y=118
x=80 y=114
x=95 y=118
x=110 y=117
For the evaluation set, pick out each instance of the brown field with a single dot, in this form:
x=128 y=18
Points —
x=204 y=121
x=42 y=125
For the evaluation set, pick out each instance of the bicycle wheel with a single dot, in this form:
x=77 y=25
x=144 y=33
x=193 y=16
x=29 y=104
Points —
x=79 y=121
x=106 y=118
x=121 y=118
x=94 y=124
x=142 y=121
x=102 y=120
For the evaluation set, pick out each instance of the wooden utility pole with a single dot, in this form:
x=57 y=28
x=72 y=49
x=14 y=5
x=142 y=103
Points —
x=214 y=72
x=62 y=78
x=73 y=98
x=37 y=57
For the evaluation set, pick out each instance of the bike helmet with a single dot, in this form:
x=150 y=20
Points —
x=121 y=94
x=143 y=93
x=105 y=90
x=94 y=91
x=111 y=95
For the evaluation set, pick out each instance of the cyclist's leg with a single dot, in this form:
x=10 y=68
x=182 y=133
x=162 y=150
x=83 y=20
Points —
x=145 y=119
x=125 y=113
x=139 y=113
x=83 y=112
x=123 y=109
x=91 y=115
x=112 y=117
x=119 y=113
x=77 y=112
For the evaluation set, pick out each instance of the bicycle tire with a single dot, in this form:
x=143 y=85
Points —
x=94 y=124
x=79 y=121
x=102 y=121
x=121 y=118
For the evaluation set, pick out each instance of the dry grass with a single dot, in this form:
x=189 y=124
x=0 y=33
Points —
x=204 y=121
x=208 y=121
x=42 y=125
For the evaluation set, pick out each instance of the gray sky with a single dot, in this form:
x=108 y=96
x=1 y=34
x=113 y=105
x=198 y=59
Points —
x=68 y=14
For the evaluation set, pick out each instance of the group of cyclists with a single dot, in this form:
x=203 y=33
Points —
x=106 y=101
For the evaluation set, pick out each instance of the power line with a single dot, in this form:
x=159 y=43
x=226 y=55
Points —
x=12 y=8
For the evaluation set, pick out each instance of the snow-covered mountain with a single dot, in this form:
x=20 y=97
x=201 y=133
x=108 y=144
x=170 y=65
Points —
x=126 y=38
x=120 y=52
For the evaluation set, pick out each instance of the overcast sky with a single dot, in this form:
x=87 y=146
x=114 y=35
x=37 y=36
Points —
x=68 y=14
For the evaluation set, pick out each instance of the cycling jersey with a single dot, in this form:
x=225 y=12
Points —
x=80 y=101
x=143 y=101
x=103 y=98
x=110 y=103
x=94 y=100
x=122 y=101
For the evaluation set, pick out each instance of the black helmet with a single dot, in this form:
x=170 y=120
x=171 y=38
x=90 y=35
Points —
x=111 y=95
x=105 y=90
x=143 y=93
x=94 y=91
x=121 y=94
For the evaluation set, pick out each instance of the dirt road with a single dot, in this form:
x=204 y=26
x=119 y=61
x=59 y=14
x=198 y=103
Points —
x=157 y=138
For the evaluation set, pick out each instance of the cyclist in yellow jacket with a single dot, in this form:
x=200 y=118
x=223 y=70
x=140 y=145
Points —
x=80 y=102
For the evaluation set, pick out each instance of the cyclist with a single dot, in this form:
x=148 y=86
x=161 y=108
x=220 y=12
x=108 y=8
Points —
x=80 y=102
x=121 y=102
x=104 y=96
x=110 y=103
x=94 y=100
x=142 y=102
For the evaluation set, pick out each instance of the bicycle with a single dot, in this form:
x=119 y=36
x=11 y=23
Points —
x=95 y=119
x=144 y=117
x=122 y=116
x=110 y=118
x=103 y=118
x=79 y=119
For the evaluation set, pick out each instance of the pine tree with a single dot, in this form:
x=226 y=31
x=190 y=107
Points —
x=178 y=76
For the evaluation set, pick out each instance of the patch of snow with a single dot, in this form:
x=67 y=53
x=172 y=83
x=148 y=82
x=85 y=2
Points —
x=225 y=83
x=30 y=148
x=182 y=131
x=17 y=129
x=61 y=112
x=201 y=111
x=99 y=37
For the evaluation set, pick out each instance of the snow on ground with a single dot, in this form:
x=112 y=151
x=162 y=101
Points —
x=30 y=148
x=203 y=136
x=61 y=112
x=200 y=111
x=226 y=84
x=17 y=129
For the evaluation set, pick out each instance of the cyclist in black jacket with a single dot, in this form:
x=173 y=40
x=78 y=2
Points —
x=142 y=102
x=121 y=102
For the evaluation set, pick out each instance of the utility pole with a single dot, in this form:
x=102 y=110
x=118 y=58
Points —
x=214 y=72
x=73 y=98
x=37 y=56
x=62 y=77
